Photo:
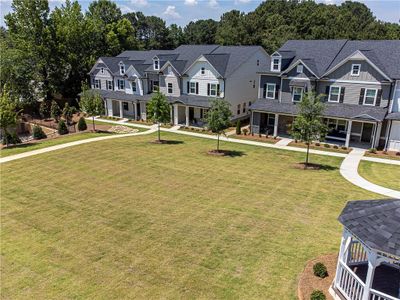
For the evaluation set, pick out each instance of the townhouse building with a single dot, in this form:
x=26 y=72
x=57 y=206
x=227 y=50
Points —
x=359 y=82
x=189 y=76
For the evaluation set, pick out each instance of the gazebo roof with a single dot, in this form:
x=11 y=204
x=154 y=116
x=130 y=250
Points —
x=375 y=222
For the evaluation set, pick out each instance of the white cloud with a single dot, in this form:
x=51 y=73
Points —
x=212 y=3
x=126 y=9
x=171 y=12
x=329 y=1
x=140 y=3
x=191 y=2
x=242 y=1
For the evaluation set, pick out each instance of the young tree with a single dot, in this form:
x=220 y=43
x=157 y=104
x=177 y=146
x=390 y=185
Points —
x=62 y=128
x=55 y=111
x=91 y=103
x=67 y=113
x=8 y=114
x=308 y=125
x=44 y=109
x=219 y=117
x=158 y=110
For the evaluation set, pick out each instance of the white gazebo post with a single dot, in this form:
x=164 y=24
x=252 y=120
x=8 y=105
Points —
x=372 y=264
x=121 y=111
x=344 y=246
x=276 y=124
x=348 y=133
x=176 y=120
x=187 y=115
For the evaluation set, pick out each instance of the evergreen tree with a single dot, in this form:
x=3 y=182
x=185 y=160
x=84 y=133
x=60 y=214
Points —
x=55 y=111
x=62 y=128
x=82 y=124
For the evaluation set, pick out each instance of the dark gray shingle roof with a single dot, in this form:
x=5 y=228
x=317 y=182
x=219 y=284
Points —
x=374 y=222
x=338 y=110
x=393 y=116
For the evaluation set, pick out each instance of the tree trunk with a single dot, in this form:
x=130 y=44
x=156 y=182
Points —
x=94 y=128
x=218 y=142
x=159 y=139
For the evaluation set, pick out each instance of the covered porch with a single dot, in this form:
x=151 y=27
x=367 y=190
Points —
x=187 y=115
x=135 y=110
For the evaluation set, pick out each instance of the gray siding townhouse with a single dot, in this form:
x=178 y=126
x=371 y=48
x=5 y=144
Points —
x=189 y=76
x=359 y=81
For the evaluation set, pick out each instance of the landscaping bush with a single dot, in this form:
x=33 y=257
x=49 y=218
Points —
x=344 y=148
x=317 y=295
x=320 y=270
x=238 y=128
x=245 y=131
x=62 y=128
x=38 y=133
x=372 y=150
x=327 y=145
x=82 y=124
x=11 y=139
x=335 y=147
x=398 y=153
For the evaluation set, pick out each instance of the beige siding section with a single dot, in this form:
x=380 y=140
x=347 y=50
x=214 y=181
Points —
x=173 y=79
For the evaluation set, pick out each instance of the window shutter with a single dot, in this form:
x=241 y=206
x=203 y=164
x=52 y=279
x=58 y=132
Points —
x=188 y=87
x=197 y=88
x=100 y=84
x=378 y=98
x=277 y=91
x=341 y=99
x=265 y=91
x=361 y=100
x=218 y=92
x=113 y=85
x=327 y=92
x=208 y=89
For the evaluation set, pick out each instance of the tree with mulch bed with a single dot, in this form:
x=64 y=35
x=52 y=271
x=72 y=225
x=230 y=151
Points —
x=62 y=128
x=38 y=133
x=82 y=124
x=218 y=119
x=55 y=111
x=308 y=125
x=158 y=111
x=317 y=295
x=8 y=117
x=91 y=103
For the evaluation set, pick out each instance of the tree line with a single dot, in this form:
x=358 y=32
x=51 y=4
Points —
x=49 y=53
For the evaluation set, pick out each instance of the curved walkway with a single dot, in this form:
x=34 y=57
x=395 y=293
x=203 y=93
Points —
x=349 y=170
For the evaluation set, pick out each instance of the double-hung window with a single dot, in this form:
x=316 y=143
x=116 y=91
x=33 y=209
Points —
x=270 y=90
x=109 y=85
x=156 y=64
x=334 y=94
x=122 y=69
x=355 y=69
x=370 y=97
x=244 y=107
x=96 y=84
x=121 y=84
x=299 y=69
x=297 y=94
x=170 y=89
x=213 y=89
x=133 y=86
x=276 y=64
x=203 y=71
x=238 y=109
x=192 y=87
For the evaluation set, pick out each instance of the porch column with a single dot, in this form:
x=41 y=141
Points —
x=276 y=124
x=348 y=133
x=187 y=115
x=171 y=114
x=176 y=120
x=377 y=135
x=135 y=110
x=121 y=111
x=251 y=122
x=372 y=264
x=344 y=244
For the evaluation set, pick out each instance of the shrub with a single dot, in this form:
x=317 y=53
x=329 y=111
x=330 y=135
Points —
x=275 y=137
x=317 y=295
x=317 y=144
x=344 y=148
x=62 y=128
x=238 y=128
x=38 y=133
x=320 y=270
x=398 y=153
x=11 y=138
x=82 y=124
x=335 y=147
x=55 y=111
x=372 y=150
x=245 y=131
x=327 y=145
x=259 y=134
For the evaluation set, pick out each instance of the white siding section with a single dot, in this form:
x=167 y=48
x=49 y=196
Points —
x=394 y=140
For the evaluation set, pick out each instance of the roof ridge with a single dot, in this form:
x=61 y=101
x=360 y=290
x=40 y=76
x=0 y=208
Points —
x=340 y=50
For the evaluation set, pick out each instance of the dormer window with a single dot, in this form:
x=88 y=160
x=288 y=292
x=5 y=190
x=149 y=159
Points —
x=102 y=70
x=169 y=70
x=258 y=62
x=276 y=64
x=156 y=64
x=299 y=69
x=122 y=69
x=355 y=69
x=203 y=71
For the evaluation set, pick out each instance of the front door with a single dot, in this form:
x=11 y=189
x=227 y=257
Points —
x=367 y=132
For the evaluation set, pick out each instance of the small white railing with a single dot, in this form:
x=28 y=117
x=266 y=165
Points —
x=376 y=295
x=348 y=283
x=357 y=253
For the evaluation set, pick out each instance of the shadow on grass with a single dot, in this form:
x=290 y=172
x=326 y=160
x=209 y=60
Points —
x=20 y=146
x=167 y=142
x=229 y=153
x=314 y=166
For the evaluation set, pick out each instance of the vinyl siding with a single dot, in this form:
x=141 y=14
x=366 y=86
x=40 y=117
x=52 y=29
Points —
x=367 y=72
x=170 y=78
x=102 y=77
x=267 y=79
x=306 y=73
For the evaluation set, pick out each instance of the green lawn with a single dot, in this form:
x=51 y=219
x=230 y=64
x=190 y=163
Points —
x=126 y=218
x=381 y=174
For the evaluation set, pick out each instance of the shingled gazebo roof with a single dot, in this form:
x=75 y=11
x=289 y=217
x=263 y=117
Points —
x=375 y=222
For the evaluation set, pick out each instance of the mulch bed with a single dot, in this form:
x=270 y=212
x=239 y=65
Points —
x=218 y=153
x=382 y=154
x=256 y=138
x=308 y=282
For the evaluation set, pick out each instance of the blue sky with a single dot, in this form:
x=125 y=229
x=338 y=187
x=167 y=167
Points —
x=182 y=12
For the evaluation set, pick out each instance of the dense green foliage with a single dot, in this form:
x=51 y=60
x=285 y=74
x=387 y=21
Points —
x=218 y=117
x=158 y=110
x=62 y=128
x=317 y=295
x=238 y=128
x=55 y=111
x=50 y=53
x=320 y=270
x=82 y=124
x=38 y=133
x=8 y=115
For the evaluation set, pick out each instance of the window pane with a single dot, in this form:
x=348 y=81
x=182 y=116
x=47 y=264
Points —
x=370 y=97
x=270 y=91
x=334 y=93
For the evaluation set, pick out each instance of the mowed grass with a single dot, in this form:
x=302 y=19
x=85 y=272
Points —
x=126 y=218
x=382 y=174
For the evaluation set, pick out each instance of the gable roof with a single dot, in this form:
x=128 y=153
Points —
x=375 y=222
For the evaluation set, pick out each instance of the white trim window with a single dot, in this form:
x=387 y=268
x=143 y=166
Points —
x=334 y=93
x=203 y=71
x=244 y=107
x=276 y=64
x=134 y=87
x=102 y=70
x=270 y=90
x=238 y=109
x=170 y=88
x=121 y=84
x=170 y=70
x=213 y=89
x=156 y=64
x=96 y=83
x=297 y=94
x=355 y=69
x=109 y=85
x=271 y=120
x=122 y=69
x=192 y=87
x=299 y=68
x=370 y=96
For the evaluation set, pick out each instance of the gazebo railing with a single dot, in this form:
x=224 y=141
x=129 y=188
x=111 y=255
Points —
x=348 y=283
x=357 y=253
x=376 y=295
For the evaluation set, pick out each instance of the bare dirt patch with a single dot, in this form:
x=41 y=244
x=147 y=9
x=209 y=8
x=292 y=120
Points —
x=308 y=282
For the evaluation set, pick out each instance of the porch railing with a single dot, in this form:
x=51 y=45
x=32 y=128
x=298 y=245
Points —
x=376 y=295
x=348 y=283
x=357 y=253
